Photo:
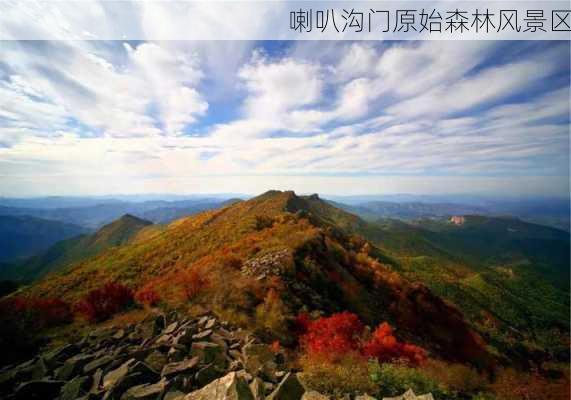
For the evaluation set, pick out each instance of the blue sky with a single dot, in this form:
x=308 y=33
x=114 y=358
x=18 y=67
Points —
x=486 y=117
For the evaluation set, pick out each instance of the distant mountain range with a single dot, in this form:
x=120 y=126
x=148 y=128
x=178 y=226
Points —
x=75 y=249
x=92 y=215
x=23 y=236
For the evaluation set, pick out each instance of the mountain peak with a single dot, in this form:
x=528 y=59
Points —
x=130 y=218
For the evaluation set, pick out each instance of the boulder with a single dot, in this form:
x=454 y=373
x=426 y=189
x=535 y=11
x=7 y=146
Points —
x=73 y=366
x=132 y=369
x=207 y=374
x=156 y=360
x=175 y=354
x=290 y=388
x=40 y=369
x=202 y=335
x=410 y=395
x=100 y=362
x=230 y=387
x=146 y=391
x=184 y=366
x=258 y=389
x=174 y=395
x=209 y=353
x=61 y=354
x=364 y=397
x=75 y=388
x=171 y=328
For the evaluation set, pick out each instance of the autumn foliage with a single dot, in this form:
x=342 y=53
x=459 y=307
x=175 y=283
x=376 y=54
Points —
x=385 y=347
x=147 y=296
x=100 y=304
x=340 y=334
x=333 y=336
x=39 y=312
x=192 y=283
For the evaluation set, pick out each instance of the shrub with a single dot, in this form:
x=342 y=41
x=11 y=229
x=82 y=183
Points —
x=271 y=314
x=342 y=333
x=348 y=375
x=51 y=312
x=192 y=283
x=333 y=336
x=395 y=379
x=21 y=319
x=100 y=304
x=513 y=385
x=456 y=377
x=147 y=296
x=384 y=346
x=38 y=313
x=301 y=324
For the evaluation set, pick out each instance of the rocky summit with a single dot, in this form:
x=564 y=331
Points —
x=165 y=357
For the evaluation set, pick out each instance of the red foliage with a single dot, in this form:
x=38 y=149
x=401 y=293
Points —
x=192 y=283
x=385 y=347
x=100 y=304
x=52 y=312
x=147 y=296
x=301 y=324
x=40 y=313
x=275 y=347
x=342 y=333
x=333 y=336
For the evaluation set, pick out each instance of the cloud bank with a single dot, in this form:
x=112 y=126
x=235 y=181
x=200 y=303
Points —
x=334 y=117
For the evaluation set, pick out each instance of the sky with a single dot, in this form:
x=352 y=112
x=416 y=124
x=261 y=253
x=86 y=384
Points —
x=335 y=117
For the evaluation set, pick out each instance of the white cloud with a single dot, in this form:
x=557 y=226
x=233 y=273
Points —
x=101 y=110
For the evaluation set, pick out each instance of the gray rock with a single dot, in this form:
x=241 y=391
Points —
x=100 y=362
x=174 y=395
x=41 y=390
x=171 y=328
x=112 y=377
x=120 y=334
x=184 y=337
x=258 y=389
x=96 y=381
x=134 y=369
x=230 y=387
x=73 y=366
x=202 y=335
x=210 y=323
x=207 y=374
x=40 y=369
x=61 y=354
x=175 y=354
x=123 y=384
x=146 y=391
x=156 y=360
x=290 y=388
x=75 y=388
x=209 y=353
x=185 y=366
x=410 y=395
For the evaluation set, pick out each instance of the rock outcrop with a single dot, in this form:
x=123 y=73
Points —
x=163 y=357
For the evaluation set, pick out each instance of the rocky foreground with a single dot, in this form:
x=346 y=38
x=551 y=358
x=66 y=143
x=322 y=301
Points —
x=162 y=358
